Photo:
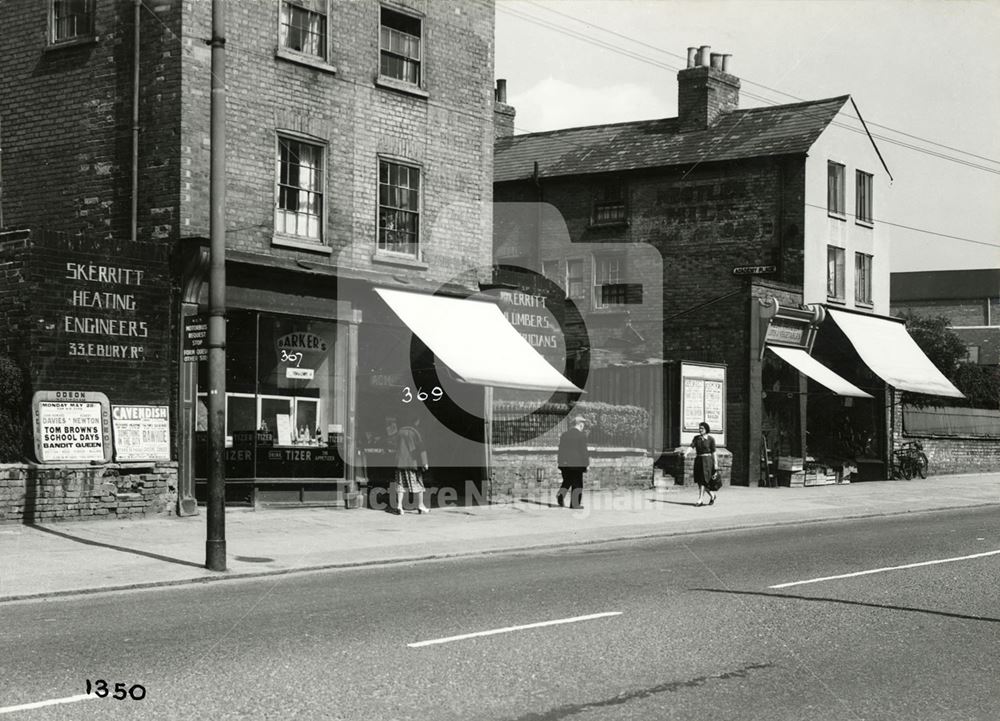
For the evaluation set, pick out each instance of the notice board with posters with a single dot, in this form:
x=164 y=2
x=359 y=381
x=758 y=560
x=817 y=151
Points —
x=142 y=433
x=703 y=398
x=71 y=426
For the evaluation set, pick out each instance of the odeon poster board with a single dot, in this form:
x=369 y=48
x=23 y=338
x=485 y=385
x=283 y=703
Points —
x=703 y=398
x=71 y=426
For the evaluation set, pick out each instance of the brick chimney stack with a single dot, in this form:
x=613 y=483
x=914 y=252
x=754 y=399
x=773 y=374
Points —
x=705 y=89
x=503 y=114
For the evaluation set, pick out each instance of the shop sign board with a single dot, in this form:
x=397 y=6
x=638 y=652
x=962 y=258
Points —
x=195 y=338
x=71 y=426
x=703 y=398
x=142 y=433
x=787 y=332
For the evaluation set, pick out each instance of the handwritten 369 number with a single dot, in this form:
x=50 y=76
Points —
x=436 y=394
x=101 y=689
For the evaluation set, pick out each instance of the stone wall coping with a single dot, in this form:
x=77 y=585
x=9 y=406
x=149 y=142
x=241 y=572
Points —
x=555 y=449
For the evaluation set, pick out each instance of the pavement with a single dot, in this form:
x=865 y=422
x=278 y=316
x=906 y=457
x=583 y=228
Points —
x=71 y=557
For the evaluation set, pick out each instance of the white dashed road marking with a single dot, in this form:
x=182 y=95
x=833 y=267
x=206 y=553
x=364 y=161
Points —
x=509 y=629
x=888 y=568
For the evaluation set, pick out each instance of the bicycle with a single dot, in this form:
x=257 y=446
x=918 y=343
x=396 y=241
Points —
x=909 y=460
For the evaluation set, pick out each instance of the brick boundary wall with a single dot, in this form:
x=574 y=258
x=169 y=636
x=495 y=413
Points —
x=524 y=471
x=73 y=492
x=959 y=455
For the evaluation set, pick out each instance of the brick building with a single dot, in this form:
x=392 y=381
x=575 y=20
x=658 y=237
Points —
x=970 y=299
x=770 y=283
x=359 y=146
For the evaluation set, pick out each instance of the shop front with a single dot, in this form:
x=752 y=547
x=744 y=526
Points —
x=802 y=407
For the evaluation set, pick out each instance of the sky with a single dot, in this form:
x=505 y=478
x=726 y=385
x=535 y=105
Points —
x=925 y=75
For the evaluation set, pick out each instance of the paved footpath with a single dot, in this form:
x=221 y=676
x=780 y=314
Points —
x=88 y=556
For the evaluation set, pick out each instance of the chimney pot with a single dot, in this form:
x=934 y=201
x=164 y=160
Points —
x=500 y=93
x=717 y=61
x=725 y=63
x=692 y=57
x=704 y=52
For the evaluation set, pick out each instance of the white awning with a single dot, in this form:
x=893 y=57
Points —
x=805 y=363
x=475 y=341
x=886 y=348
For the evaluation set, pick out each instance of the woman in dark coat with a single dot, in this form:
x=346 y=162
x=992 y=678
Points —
x=704 y=463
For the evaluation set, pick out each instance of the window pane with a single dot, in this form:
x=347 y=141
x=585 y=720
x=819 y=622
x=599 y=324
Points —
x=303 y=30
x=300 y=196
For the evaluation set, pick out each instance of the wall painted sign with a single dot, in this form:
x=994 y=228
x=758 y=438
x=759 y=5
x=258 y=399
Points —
x=72 y=426
x=703 y=398
x=531 y=317
x=102 y=320
x=142 y=433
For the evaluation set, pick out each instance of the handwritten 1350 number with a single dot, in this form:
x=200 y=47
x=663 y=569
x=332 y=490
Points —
x=101 y=689
x=436 y=394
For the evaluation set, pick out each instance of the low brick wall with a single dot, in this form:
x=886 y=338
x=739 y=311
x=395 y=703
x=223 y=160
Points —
x=676 y=467
x=42 y=494
x=959 y=455
x=526 y=471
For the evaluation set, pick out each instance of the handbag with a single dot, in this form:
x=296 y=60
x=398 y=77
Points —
x=715 y=482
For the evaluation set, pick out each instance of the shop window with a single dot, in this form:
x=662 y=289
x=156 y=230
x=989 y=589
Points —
x=299 y=210
x=302 y=29
x=286 y=391
x=835 y=190
x=834 y=273
x=398 y=208
x=863 y=279
x=863 y=198
x=71 y=21
x=400 y=40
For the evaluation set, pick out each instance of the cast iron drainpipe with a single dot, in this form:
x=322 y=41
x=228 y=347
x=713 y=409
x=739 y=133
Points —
x=137 y=11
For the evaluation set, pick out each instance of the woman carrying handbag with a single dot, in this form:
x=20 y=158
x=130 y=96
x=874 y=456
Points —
x=706 y=474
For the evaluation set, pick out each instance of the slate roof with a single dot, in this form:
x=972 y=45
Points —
x=750 y=133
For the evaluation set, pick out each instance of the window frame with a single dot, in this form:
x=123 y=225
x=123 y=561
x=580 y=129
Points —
x=282 y=236
x=571 y=263
x=864 y=264
x=86 y=35
x=835 y=281
x=836 y=190
x=381 y=252
x=610 y=200
x=401 y=83
x=864 y=188
x=615 y=278
x=298 y=56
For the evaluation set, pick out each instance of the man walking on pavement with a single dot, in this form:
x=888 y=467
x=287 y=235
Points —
x=573 y=460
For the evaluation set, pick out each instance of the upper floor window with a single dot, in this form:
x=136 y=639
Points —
x=971 y=354
x=71 y=20
x=299 y=210
x=400 y=47
x=863 y=198
x=303 y=27
x=398 y=208
x=609 y=204
x=834 y=273
x=550 y=270
x=835 y=204
x=863 y=279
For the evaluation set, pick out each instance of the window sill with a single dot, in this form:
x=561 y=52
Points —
x=313 y=246
x=401 y=87
x=609 y=224
x=610 y=309
x=74 y=43
x=836 y=301
x=865 y=223
x=836 y=216
x=863 y=305
x=400 y=260
x=310 y=61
